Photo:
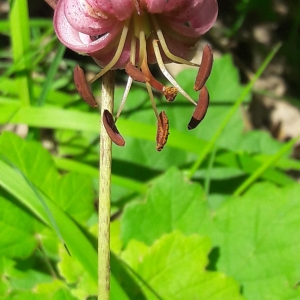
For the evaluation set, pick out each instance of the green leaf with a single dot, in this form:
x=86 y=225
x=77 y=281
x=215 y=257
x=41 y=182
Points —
x=30 y=157
x=15 y=182
x=115 y=236
x=255 y=237
x=225 y=77
x=18 y=230
x=55 y=290
x=258 y=237
x=259 y=142
x=170 y=202
x=74 y=194
x=37 y=164
x=22 y=275
x=174 y=268
x=73 y=272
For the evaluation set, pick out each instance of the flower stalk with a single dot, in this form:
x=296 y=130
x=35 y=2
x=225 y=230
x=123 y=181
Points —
x=105 y=190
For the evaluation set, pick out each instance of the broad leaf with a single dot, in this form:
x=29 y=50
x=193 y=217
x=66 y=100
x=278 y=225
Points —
x=18 y=229
x=256 y=236
x=170 y=203
x=73 y=192
x=174 y=268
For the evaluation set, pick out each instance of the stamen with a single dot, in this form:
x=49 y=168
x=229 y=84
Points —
x=117 y=54
x=200 y=109
x=205 y=68
x=145 y=68
x=83 y=87
x=165 y=47
x=132 y=49
x=162 y=131
x=129 y=81
x=167 y=74
x=143 y=47
x=135 y=73
x=153 y=82
x=111 y=129
x=152 y=99
x=124 y=98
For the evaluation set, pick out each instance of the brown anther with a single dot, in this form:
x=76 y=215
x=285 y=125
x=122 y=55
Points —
x=200 y=109
x=205 y=68
x=135 y=73
x=162 y=131
x=170 y=93
x=83 y=87
x=111 y=128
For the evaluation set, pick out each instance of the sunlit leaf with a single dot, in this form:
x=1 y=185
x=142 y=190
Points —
x=174 y=268
x=256 y=236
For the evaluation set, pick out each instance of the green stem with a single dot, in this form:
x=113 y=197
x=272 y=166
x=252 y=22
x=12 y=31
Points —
x=20 y=40
x=263 y=168
x=104 y=191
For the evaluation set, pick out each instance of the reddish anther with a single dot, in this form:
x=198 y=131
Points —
x=83 y=87
x=162 y=131
x=200 y=109
x=111 y=128
x=205 y=68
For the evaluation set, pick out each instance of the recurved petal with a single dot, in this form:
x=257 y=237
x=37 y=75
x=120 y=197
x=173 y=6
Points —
x=82 y=18
x=200 y=20
x=104 y=56
x=123 y=9
x=119 y=9
x=77 y=41
x=164 y=6
x=206 y=16
x=103 y=6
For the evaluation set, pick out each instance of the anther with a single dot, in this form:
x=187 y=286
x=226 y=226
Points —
x=162 y=131
x=170 y=93
x=205 y=68
x=200 y=109
x=83 y=87
x=111 y=128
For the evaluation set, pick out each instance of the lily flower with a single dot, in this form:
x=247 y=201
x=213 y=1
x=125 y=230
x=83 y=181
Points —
x=130 y=35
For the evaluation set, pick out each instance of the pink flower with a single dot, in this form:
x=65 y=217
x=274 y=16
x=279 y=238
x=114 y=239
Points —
x=130 y=34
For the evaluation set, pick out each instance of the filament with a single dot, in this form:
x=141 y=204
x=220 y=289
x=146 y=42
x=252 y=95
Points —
x=167 y=74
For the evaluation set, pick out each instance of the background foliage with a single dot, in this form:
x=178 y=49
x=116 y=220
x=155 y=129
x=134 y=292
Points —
x=215 y=215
